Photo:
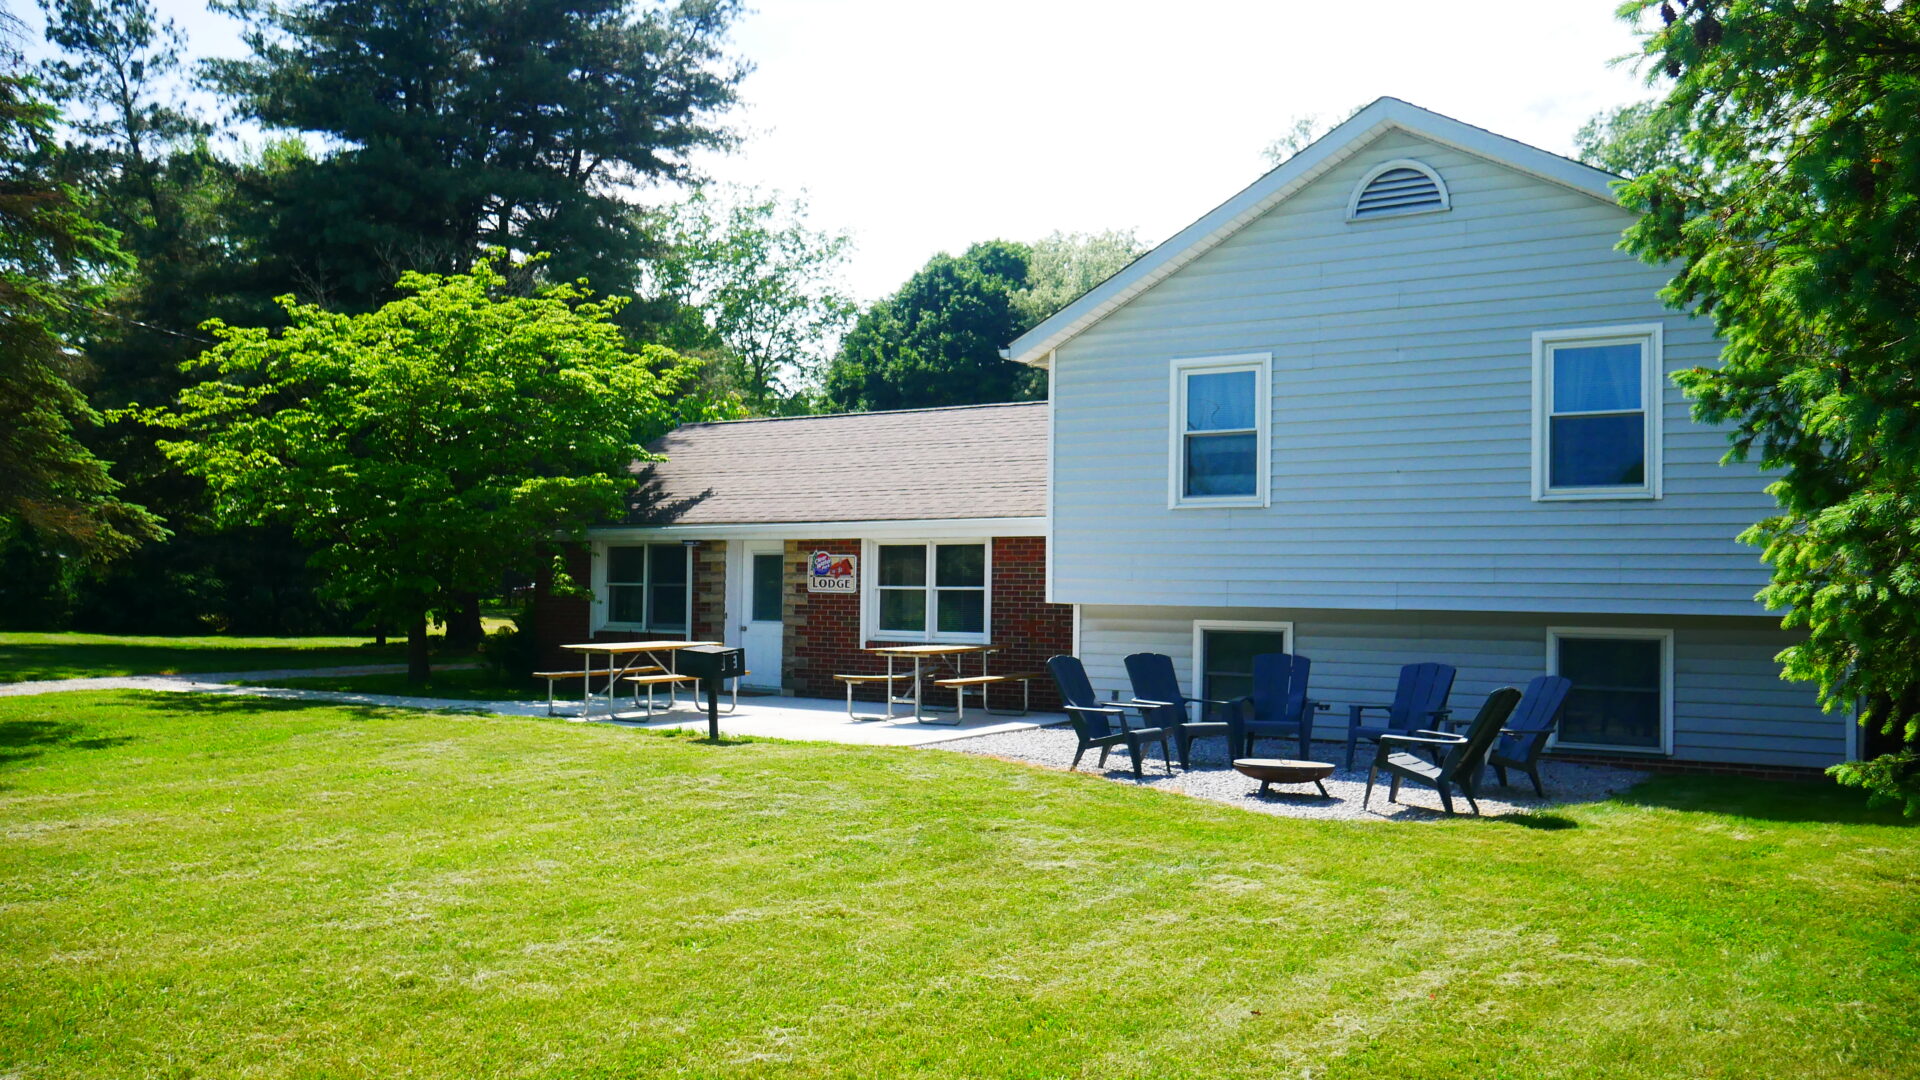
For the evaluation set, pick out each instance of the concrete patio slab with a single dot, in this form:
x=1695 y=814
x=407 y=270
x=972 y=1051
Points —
x=810 y=719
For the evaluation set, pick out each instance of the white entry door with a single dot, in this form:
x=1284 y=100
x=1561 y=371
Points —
x=761 y=630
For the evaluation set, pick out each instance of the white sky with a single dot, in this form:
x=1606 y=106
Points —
x=925 y=127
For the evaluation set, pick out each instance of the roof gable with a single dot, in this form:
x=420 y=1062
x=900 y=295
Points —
x=1257 y=199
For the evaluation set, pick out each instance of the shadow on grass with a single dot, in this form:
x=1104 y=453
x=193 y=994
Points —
x=1822 y=801
x=24 y=740
x=1536 y=820
x=251 y=704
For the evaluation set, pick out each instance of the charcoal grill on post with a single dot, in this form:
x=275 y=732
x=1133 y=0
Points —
x=712 y=665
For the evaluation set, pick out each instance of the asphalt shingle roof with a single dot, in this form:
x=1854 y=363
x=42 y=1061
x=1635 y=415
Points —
x=962 y=462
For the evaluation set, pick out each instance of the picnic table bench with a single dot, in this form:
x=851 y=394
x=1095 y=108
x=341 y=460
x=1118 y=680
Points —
x=673 y=681
x=852 y=681
x=960 y=684
x=603 y=673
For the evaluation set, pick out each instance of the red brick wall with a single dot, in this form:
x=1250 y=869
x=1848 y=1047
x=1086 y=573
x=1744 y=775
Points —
x=559 y=620
x=823 y=630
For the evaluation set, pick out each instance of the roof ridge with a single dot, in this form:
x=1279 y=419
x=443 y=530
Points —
x=871 y=412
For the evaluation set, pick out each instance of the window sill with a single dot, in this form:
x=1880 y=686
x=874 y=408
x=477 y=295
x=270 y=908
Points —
x=1218 y=504
x=1596 y=748
x=1597 y=495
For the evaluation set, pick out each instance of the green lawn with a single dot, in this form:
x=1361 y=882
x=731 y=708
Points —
x=216 y=887
x=26 y=656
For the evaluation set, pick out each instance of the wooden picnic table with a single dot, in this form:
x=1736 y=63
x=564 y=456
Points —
x=951 y=655
x=623 y=657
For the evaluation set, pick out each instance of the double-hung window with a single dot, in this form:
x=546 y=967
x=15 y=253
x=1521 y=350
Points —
x=1622 y=696
x=1219 y=421
x=929 y=591
x=1596 y=429
x=647 y=587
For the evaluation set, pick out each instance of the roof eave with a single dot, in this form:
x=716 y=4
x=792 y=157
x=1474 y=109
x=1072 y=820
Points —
x=1258 y=198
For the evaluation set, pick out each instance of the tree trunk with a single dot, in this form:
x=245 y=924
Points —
x=417 y=666
x=463 y=626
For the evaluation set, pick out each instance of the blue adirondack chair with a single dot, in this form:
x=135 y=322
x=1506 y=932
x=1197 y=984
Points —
x=1528 y=728
x=1461 y=757
x=1101 y=725
x=1278 y=708
x=1156 y=686
x=1420 y=701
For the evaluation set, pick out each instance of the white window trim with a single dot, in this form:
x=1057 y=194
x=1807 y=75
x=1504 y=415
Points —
x=1196 y=661
x=1665 y=637
x=1652 y=402
x=1353 y=200
x=602 y=596
x=1261 y=364
x=870 y=594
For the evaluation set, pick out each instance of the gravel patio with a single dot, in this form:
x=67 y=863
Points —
x=1212 y=778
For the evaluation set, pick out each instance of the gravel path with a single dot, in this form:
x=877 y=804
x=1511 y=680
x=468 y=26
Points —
x=1211 y=778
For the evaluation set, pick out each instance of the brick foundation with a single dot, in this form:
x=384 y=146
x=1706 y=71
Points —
x=1694 y=768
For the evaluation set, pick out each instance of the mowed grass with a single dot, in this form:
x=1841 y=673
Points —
x=28 y=656
x=220 y=887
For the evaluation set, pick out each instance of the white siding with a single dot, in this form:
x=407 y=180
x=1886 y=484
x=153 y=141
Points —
x=1402 y=418
x=1729 y=703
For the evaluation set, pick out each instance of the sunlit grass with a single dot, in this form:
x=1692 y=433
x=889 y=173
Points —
x=226 y=887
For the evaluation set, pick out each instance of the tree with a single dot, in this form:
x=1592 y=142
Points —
x=1632 y=140
x=53 y=260
x=1798 y=233
x=1064 y=265
x=142 y=159
x=456 y=126
x=428 y=448
x=759 y=286
x=937 y=340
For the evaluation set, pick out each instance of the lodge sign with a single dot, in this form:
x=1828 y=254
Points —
x=830 y=573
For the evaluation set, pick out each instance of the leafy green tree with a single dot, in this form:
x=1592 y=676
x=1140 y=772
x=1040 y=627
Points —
x=53 y=259
x=1632 y=140
x=1064 y=265
x=761 y=289
x=937 y=341
x=428 y=448
x=456 y=126
x=1798 y=232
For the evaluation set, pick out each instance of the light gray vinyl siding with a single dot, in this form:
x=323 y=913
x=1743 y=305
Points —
x=1729 y=704
x=1402 y=419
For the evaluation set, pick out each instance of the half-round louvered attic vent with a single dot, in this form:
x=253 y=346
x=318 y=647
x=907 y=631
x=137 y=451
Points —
x=1397 y=187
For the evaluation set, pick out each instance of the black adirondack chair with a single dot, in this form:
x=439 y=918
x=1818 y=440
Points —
x=1156 y=686
x=1279 y=707
x=1464 y=756
x=1527 y=730
x=1101 y=724
x=1420 y=701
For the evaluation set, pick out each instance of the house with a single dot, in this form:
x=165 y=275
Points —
x=1401 y=399
x=1404 y=399
x=806 y=539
